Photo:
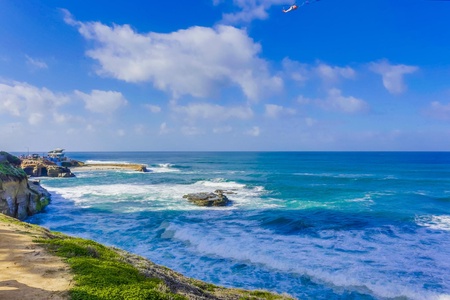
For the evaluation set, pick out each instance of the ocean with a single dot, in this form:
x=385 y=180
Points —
x=315 y=225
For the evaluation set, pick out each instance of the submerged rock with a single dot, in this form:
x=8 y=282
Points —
x=208 y=199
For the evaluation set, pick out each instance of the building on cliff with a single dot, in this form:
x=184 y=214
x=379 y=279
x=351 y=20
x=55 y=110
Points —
x=54 y=164
x=57 y=156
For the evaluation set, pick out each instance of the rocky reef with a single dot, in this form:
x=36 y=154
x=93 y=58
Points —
x=42 y=167
x=19 y=198
x=218 y=198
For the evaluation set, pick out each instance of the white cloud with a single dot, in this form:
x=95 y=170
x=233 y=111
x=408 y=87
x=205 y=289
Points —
x=249 y=10
x=164 y=129
x=439 y=111
x=275 y=111
x=332 y=73
x=197 y=61
x=36 y=118
x=302 y=100
x=310 y=122
x=254 y=131
x=102 y=101
x=301 y=72
x=36 y=63
x=392 y=75
x=191 y=130
x=20 y=99
x=336 y=101
x=224 y=129
x=121 y=132
x=153 y=108
x=296 y=71
x=213 y=111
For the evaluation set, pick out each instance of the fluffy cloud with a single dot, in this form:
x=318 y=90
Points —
x=336 y=101
x=36 y=63
x=294 y=70
x=224 y=129
x=274 y=111
x=249 y=10
x=213 y=111
x=327 y=72
x=20 y=99
x=300 y=72
x=102 y=101
x=392 y=75
x=254 y=131
x=439 y=111
x=164 y=129
x=197 y=61
x=153 y=108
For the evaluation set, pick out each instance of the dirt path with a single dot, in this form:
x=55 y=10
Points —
x=27 y=271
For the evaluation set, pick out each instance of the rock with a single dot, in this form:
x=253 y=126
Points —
x=208 y=199
x=19 y=198
x=42 y=167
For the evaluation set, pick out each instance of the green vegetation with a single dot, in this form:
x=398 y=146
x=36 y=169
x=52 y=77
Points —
x=14 y=160
x=100 y=273
x=9 y=167
x=104 y=273
x=7 y=171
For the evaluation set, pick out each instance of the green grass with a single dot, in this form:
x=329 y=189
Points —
x=10 y=167
x=7 y=171
x=11 y=158
x=104 y=273
x=100 y=273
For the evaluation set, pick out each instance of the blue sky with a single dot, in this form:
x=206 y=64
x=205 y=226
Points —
x=224 y=75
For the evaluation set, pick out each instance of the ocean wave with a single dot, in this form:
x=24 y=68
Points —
x=143 y=197
x=441 y=222
x=383 y=263
x=337 y=175
x=163 y=168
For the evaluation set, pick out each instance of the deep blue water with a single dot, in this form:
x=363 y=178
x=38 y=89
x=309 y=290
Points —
x=316 y=225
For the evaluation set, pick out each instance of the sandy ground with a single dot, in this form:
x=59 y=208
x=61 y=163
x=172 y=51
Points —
x=27 y=271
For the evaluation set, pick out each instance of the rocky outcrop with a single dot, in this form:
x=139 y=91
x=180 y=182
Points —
x=114 y=166
x=209 y=199
x=43 y=167
x=20 y=198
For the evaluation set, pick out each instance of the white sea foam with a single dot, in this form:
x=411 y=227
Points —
x=163 y=168
x=336 y=175
x=385 y=265
x=158 y=196
x=434 y=222
x=367 y=198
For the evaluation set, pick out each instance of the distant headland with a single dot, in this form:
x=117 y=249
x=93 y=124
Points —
x=56 y=164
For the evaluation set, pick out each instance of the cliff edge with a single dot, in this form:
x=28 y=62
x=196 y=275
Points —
x=19 y=198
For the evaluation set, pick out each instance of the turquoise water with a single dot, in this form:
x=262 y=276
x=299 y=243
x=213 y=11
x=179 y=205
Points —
x=319 y=225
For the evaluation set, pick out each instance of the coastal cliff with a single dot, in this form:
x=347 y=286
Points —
x=88 y=270
x=19 y=198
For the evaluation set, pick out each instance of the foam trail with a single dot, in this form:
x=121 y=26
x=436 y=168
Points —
x=326 y=259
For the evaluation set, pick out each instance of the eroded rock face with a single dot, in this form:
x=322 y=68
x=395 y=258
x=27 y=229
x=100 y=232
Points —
x=208 y=199
x=39 y=167
x=19 y=198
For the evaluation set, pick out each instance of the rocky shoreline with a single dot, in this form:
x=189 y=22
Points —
x=110 y=166
x=57 y=278
x=19 y=197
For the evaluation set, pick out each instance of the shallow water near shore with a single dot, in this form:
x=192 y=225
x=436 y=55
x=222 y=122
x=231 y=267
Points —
x=316 y=225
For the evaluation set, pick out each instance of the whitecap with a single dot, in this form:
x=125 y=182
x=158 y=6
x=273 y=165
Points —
x=441 y=222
